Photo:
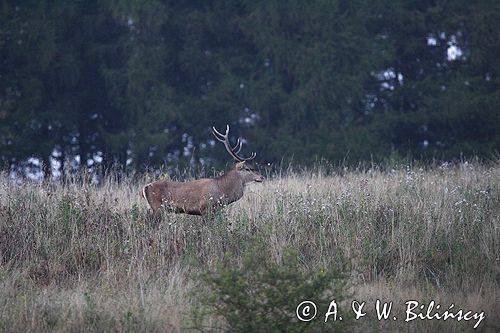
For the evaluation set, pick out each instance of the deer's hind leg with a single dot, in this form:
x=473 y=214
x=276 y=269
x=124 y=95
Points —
x=152 y=199
x=156 y=207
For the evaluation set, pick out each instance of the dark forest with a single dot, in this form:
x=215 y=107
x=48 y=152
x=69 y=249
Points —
x=91 y=84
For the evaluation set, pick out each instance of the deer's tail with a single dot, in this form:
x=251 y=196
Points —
x=145 y=192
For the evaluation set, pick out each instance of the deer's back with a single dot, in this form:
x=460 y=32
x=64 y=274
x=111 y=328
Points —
x=191 y=197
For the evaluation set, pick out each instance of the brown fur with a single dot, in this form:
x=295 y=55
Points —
x=202 y=196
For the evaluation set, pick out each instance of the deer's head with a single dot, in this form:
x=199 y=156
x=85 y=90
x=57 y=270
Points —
x=243 y=168
x=247 y=173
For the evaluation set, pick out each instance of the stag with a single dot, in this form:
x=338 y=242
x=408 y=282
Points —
x=204 y=196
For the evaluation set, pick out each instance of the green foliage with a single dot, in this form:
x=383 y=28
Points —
x=262 y=295
x=344 y=80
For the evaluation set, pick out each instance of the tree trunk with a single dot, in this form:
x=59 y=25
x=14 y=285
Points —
x=46 y=168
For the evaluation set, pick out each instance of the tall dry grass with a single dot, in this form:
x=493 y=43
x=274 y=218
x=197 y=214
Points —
x=80 y=257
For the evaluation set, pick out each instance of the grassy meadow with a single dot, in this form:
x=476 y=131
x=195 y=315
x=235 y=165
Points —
x=86 y=258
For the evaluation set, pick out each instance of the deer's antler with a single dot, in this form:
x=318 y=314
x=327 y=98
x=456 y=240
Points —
x=233 y=151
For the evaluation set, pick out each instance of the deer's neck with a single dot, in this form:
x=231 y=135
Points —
x=231 y=185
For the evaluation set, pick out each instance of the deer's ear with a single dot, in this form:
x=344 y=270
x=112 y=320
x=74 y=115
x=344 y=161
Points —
x=240 y=166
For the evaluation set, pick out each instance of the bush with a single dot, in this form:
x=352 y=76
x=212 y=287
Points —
x=262 y=295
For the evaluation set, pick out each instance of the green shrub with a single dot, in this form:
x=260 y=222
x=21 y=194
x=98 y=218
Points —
x=262 y=295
